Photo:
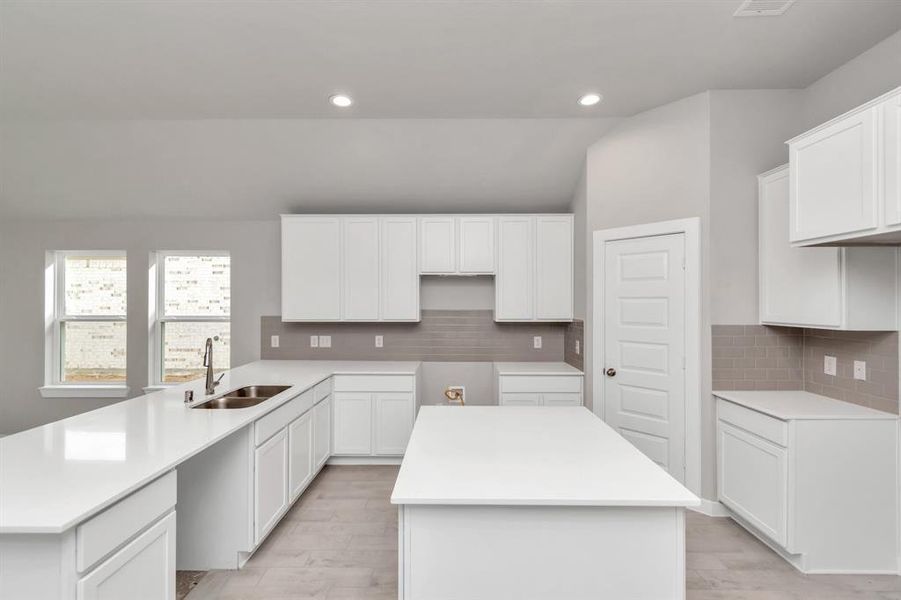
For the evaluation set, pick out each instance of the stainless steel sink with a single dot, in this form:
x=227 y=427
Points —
x=244 y=397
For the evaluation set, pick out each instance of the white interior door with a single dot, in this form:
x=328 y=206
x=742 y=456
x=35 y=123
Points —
x=644 y=346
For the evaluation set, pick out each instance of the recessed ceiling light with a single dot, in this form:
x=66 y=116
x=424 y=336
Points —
x=590 y=99
x=341 y=100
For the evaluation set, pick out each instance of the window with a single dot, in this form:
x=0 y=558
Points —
x=86 y=325
x=190 y=302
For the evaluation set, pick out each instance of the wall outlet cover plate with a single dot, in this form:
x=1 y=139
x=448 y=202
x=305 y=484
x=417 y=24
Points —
x=314 y=341
x=829 y=367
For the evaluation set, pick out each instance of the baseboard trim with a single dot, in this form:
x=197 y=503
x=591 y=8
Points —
x=711 y=508
x=364 y=460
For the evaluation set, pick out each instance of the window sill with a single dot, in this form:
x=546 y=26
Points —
x=83 y=391
x=158 y=387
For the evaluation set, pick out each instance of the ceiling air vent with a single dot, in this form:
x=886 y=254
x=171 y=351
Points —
x=763 y=8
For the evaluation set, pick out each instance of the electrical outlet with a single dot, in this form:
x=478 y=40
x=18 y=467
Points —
x=536 y=342
x=578 y=347
x=829 y=365
x=273 y=341
x=379 y=341
x=860 y=370
x=314 y=341
x=325 y=341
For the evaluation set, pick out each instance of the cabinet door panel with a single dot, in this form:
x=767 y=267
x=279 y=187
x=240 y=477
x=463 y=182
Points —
x=270 y=484
x=361 y=269
x=562 y=399
x=513 y=286
x=798 y=286
x=520 y=399
x=322 y=432
x=311 y=268
x=752 y=480
x=144 y=568
x=833 y=175
x=437 y=245
x=353 y=423
x=400 y=276
x=891 y=115
x=300 y=457
x=394 y=423
x=476 y=245
x=554 y=268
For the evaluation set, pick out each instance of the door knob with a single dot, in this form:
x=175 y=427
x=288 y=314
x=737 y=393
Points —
x=611 y=372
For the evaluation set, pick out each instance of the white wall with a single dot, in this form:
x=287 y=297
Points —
x=254 y=248
x=748 y=129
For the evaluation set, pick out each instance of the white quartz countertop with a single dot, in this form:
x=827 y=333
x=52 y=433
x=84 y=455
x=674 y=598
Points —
x=55 y=476
x=518 y=455
x=787 y=405
x=535 y=368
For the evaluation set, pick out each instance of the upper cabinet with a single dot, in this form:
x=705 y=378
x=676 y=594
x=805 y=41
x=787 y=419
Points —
x=457 y=245
x=349 y=268
x=534 y=268
x=366 y=267
x=824 y=288
x=844 y=178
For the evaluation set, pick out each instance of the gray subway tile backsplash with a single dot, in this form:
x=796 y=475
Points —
x=441 y=335
x=758 y=357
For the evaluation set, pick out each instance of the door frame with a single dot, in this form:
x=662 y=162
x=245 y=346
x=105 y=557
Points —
x=691 y=229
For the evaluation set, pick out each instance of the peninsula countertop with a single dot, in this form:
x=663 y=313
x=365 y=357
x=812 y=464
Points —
x=538 y=456
x=536 y=368
x=797 y=404
x=54 y=476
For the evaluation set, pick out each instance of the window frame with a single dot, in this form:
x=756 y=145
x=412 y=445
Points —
x=157 y=312
x=54 y=318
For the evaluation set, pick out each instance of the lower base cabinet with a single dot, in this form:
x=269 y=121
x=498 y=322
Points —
x=539 y=390
x=322 y=432
x=373 y=415
x=270 y=484
x=144 y=568
x=353 y=423
x=300 y=454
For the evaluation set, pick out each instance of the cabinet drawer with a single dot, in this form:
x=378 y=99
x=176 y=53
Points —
x=373 y=383
x=269 y=425
x=520 y=399
x=113 y=527
x=565 y=399
x=757 y=423
x=541 y=383
x=322 y=390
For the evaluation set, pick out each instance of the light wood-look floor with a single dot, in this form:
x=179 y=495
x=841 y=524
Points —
x=340 y=542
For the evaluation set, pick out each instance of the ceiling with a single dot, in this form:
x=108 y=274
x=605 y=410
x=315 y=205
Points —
x=195 y=59
x=200 y=109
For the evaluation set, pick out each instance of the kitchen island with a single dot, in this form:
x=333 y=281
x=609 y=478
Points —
x=535 y=503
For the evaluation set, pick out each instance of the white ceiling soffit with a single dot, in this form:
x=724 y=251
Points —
x=763 y=8
x=194 y=59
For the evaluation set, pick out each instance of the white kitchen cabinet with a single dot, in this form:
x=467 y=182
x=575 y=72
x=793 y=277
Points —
x=814 y=477
x=322 y=432
x=393 y=422
x=360 y=250
x=554 y=267
x=300 y=454
x=143 y=568
x=270 y=484
x=437 y=245
x=825 y=288
x=535 y=268
x=399 y=273
x=476 y=243
x=311 y=268
x=373 y=415
x=842 y=175
x=514 y=286
x=457 y=245
x=539 y=390
x=353 y=423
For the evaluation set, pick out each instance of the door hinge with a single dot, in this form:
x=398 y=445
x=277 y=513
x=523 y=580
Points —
x=683 y=263
x=683 y=363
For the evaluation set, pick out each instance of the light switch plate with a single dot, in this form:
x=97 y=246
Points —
x=379 y=341
x=325 y=341
x=314 y=341
x=536 y=342
x=860 y=370
x=273 y=341
x=829 y=365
